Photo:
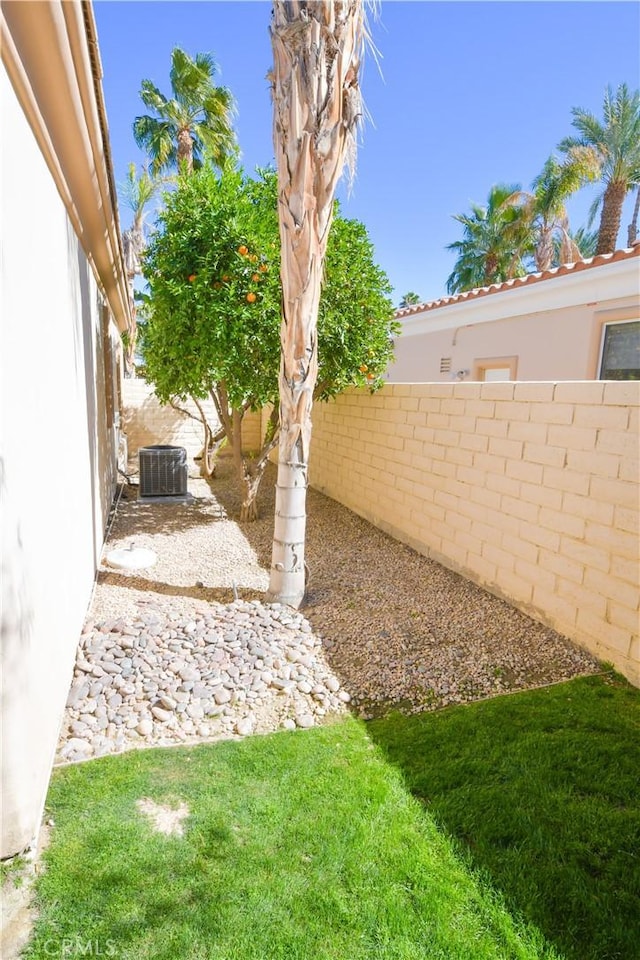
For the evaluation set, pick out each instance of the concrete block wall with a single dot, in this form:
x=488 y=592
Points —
x=529 y=489
x=146 y=422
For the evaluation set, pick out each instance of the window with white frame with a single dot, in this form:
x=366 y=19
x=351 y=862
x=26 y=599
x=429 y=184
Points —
x=620 y=351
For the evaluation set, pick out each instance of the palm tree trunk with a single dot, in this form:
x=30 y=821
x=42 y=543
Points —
x=317 y=106
x=569 y=249
x=544 y=248
x=611 y=216
x=185 y=150
x=632 y=234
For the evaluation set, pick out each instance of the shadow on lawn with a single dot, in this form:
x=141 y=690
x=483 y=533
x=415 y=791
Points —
x=541 y=792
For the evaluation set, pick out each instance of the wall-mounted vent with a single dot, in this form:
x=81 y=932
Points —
x=163 y=471
x=445 y=364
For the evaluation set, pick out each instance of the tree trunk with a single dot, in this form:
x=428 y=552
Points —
x=632 y=234
x=317 y=106
x=569 y=250
x=611 y=216
x=253 y=474
x=185 y=150
x=490 y=269
x=544 y=248
x=211 y=445
x=254 y=471
x=249 y=472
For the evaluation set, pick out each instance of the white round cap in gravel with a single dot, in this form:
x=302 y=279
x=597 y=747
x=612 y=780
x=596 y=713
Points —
x=131 y=558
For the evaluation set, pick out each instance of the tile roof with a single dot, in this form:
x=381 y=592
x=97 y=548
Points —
x=528 y=280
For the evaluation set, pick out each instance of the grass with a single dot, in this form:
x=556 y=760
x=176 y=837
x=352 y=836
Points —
x=542 y=792
x=299 y=846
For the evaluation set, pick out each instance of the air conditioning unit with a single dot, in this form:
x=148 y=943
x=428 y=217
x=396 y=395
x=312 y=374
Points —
x=163 y=471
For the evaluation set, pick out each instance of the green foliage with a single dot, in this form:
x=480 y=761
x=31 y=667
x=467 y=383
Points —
x=137 y=191
x=212 y=313
x=198 y=108
x=410 y=299
x=614 y=144
x=200 y=327
x=517 y=231
x=355 y=320
x=615 y=139
x=497 y=239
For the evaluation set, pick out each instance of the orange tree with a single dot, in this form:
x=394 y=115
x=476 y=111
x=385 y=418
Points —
x=212 y=309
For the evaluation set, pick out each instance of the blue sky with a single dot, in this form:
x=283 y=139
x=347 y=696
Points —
x=471 y=94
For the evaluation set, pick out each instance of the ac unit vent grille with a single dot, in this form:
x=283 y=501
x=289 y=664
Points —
x=163 y=471
x=445 y=364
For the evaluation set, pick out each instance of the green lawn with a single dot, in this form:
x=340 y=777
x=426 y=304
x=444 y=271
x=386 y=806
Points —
x=300 y=846
x=542 y=792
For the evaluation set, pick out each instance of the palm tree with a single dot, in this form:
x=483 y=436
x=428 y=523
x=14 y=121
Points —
x=583 y=243
x=496 y=240
x=317 y=49
x=409 y=299
x=546 y=205
x=136 y=193
x=197 y=119
x=615 y=144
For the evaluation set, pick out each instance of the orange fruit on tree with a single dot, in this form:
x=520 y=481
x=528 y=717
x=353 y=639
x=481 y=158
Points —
x=255 y=277
x=371 y=376
x=363 y=368
x=253 y=258
x=251 y=297
x=192 y=277
x=226 y=277
x=243 y=251
x=263 y=268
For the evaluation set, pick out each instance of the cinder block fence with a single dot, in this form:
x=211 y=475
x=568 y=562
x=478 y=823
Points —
x=146 y=422
x=529 y=489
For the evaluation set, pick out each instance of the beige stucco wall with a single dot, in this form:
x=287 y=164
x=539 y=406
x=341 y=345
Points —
x=552 y=328
x=147 y=422
x=530 y=489
x=57 y=465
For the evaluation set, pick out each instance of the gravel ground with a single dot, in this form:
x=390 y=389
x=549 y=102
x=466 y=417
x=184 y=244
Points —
x=395 y=627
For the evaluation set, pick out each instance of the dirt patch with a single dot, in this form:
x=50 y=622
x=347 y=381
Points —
x=164 y=819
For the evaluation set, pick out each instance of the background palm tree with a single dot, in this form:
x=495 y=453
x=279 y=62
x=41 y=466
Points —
x=496 y=240
x=409 y=299
x=135 y=193
x=197 y=119
x=615 y=144
x=546 y=208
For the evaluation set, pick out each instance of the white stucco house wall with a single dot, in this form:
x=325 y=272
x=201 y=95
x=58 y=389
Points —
x=580 y=321
x=64 y=304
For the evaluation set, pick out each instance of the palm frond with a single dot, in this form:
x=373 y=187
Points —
x=156 y=137
x=191 y=79
x=152 y=98
x=595 y=206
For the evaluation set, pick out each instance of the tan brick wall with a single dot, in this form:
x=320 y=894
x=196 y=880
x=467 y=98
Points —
x=146 y=422
x=529 y=489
